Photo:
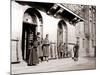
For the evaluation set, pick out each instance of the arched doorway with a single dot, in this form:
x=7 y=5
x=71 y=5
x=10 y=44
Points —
x=30 y=23
x=62 y=38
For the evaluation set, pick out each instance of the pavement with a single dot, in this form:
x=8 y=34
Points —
x=55 y=65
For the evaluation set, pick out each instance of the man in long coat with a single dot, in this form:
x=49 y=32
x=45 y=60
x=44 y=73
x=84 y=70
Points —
x=76 y=52
x=46 y=48
x=60 y=50
x=39 y=48
x=33 y=57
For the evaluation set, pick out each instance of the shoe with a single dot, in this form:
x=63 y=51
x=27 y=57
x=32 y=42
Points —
x=72 y=57
x=29 y=65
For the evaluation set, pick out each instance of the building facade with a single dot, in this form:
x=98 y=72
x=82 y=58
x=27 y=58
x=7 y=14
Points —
x=85 y=32
x=90 y=30
x=61 y=24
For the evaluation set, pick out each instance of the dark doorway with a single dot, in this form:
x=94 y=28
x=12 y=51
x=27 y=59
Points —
x=28 y=33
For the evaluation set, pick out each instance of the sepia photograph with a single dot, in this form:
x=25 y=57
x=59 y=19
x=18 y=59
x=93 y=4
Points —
x=52 y=37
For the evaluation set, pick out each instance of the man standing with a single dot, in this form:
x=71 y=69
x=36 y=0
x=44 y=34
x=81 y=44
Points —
x=33 y=57
x=76 y=52
x=39 y=48
x=46 y=48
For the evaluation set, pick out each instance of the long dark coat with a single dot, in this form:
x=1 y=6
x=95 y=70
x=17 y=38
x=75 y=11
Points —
x=39 y=48
x=76 y=51
x=33 y=57
x=46 y=47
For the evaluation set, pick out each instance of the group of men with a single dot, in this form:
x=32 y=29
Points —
x=64 y=52
x=39 y=50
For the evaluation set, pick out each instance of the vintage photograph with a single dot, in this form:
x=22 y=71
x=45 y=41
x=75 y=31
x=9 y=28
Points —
x=52 y=37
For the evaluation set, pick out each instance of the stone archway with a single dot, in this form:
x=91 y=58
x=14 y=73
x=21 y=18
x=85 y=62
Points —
x=30 y=23
x=62 y=36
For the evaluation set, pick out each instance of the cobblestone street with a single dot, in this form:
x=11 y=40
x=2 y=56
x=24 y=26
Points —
x=64 y=64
